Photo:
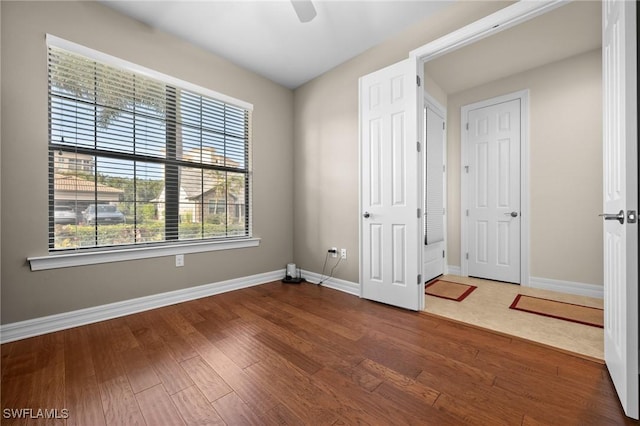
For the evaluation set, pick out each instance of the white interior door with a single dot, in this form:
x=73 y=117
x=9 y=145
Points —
x=390 y=228
x=620 y=183
x=434 y=241
x=492 y=171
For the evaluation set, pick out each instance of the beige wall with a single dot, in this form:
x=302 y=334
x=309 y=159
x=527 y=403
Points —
x=28 y=294
x=565 y=166
x=326 y=141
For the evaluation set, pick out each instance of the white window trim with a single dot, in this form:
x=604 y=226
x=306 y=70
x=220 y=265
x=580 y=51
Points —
x=66 y=260
x=115 y=254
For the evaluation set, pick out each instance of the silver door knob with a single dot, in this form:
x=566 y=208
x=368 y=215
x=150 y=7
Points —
x=619 y=217
x=512 y=214
x=366 y=215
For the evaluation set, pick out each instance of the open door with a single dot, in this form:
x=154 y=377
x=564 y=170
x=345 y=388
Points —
x=620 y=199
x=390 y=224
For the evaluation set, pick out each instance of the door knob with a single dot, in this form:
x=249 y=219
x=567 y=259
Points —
x=366 y=215
x=512 y=214
x=619 y=217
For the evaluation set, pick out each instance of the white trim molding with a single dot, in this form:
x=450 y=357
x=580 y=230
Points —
x=334 y=283
x=570 y=287
x=66 y=260
x=492 y=24
x=37 y=326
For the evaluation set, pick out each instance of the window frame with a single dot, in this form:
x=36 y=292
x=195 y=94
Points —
x=93 y=255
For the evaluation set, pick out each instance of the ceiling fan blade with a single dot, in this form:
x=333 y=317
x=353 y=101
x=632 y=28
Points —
x=304 y=9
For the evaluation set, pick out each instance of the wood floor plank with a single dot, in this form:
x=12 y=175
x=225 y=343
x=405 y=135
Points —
x=195 y=409
x=122 y=337
x=292 y=355
x=303 y=400
x=233 y=410
x=481 y=414
x=119 y=403
x=169 y=371
x=409 y=386
x=82 y=396
x=139 y=369
x=48 y=385
x=385 y=410
x=206 y=379
x=83 y=400
x=157 y=407
x=250 y=392
x=106 y=360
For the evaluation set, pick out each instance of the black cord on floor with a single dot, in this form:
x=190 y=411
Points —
x=332 y=269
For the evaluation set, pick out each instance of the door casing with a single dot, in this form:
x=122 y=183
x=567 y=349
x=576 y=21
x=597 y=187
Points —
x=523 y=96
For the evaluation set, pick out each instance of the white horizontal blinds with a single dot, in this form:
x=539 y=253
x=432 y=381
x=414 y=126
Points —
x=434 y=219
x=171 y=163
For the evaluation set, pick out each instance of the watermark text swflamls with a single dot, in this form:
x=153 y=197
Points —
x=35 y=413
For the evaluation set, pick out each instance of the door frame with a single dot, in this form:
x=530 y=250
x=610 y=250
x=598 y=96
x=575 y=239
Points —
x=523 y=96
x=441 y=110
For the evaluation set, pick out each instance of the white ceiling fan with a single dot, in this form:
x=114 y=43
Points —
x=304 y=9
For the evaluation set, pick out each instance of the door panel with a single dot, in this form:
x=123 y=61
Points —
x=390 y=227
x=620 y=183
x=494 y=182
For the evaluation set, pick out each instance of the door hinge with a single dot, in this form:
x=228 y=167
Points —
x=444 y=168
x=418 y=146
x=466 y=256
x=418 y=80
x=466 y=169
x=467 y=126
x=442 y=126
x=419 y=213
x=443 y=254
x=467 y=212
x=419 y=279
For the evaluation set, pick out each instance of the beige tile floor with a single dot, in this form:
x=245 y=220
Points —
x=488 y=307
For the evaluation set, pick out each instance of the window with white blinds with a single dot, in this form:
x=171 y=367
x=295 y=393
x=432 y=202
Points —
x=139 y=158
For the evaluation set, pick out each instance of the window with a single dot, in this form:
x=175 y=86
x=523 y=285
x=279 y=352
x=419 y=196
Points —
x=139 y=158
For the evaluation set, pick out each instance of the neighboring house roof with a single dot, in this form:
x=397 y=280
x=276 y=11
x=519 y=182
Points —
x=209 y=192
x=74 y=183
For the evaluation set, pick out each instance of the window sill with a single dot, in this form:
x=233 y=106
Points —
x=66 y=260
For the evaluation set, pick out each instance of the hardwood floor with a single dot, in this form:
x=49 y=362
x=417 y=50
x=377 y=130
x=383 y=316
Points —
x=297 y=354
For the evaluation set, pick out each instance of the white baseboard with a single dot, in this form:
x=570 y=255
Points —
x=334 y=283
x=37 y=326
x=454 y=270
x=571 y=287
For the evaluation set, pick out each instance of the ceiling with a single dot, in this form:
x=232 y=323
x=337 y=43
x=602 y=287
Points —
x=267 y=37
x=566 y=31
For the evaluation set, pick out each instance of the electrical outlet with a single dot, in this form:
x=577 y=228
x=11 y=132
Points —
x=334 y=252
x=343 y=253
x=179 y=260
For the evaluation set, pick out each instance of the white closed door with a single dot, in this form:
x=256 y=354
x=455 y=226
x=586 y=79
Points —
x=620 y=200
x=390 y=226
x=434 y=249
x=493 y=183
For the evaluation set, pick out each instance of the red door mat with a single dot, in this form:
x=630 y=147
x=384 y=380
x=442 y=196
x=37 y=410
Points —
x=560 y=310
x=449 y=290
